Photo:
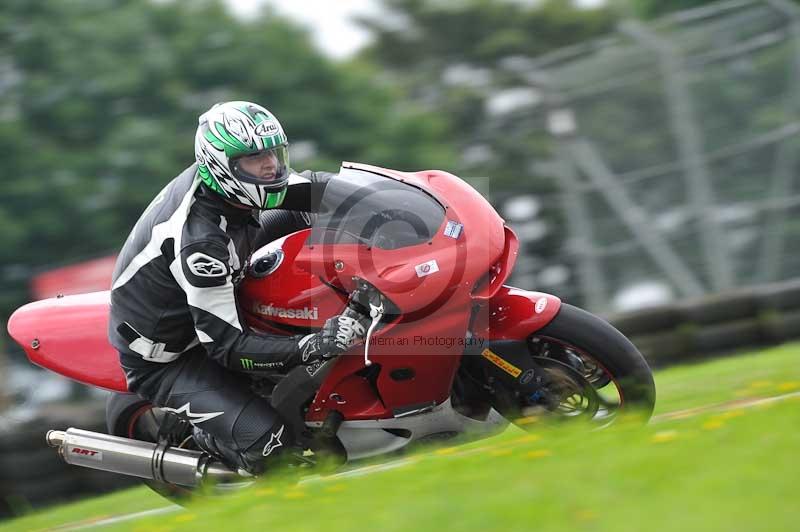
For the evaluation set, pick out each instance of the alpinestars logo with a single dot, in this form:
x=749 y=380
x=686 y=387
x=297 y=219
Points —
x=194 y=417
x=202 y=265
x=274 y=442
x=304 y=313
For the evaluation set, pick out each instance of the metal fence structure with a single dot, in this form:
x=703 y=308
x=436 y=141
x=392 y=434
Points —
x=676 y=146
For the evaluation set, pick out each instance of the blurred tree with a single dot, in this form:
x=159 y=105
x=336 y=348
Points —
x=99 y=105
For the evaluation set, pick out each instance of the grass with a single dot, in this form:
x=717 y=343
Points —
x=730 y=470
x=771 y=372
x=94 y=509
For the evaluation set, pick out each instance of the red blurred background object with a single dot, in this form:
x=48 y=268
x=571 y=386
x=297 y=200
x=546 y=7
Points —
x=89 y=276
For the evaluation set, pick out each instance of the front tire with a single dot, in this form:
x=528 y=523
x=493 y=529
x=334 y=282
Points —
x=601 y=358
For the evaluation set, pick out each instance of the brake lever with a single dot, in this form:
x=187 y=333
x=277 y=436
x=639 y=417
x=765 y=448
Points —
x=376 y=313
x=369 y=298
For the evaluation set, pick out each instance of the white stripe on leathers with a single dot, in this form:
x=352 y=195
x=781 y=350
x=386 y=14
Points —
x=217 y=300
x=233 y=261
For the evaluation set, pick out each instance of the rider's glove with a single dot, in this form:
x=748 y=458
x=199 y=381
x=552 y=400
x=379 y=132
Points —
x=337 y=335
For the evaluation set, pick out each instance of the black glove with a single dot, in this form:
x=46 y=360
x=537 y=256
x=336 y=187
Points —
x=337 y=335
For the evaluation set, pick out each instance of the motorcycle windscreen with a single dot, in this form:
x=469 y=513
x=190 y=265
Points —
x=69 y=335
x=360 y=207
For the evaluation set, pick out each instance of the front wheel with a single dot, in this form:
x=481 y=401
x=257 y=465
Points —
x=592 y=372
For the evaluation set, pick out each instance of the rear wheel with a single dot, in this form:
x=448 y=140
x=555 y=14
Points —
x=592 y=371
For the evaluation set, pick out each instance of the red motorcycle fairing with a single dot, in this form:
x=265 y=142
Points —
x=430 y=283
x=69 y=335
x=421 y=371
x=514 y=314
x=424 y=350
x=415 y=357
x=290 y=296
x=417 y=361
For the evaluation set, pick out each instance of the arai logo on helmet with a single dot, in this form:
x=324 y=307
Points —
x=267 y=129
x=541 y=304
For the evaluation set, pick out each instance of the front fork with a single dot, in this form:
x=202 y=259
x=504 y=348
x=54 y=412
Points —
x=509 y=369
x=512 y=375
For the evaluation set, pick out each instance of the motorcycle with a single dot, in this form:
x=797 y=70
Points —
x=451 y=350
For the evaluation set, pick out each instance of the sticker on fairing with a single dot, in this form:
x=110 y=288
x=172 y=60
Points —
x=453 y=229
x=426 y=268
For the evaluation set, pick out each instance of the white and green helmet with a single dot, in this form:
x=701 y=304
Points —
x=231 y=131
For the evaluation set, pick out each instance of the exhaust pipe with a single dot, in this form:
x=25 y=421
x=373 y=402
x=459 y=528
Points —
x=142 y=459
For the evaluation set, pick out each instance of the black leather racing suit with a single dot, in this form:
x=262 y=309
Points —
x=175 y=320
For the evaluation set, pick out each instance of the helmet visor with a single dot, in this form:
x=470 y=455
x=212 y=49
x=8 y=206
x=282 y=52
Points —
x=265 y=167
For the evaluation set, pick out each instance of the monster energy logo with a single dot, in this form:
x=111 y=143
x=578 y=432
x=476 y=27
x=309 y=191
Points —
x=249 y=364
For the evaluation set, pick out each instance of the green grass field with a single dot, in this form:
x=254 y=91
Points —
x=733 y=468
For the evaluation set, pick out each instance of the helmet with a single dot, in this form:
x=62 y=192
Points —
x=242 y=154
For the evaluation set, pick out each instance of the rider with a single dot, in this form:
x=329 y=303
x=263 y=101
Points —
x=174 y=315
